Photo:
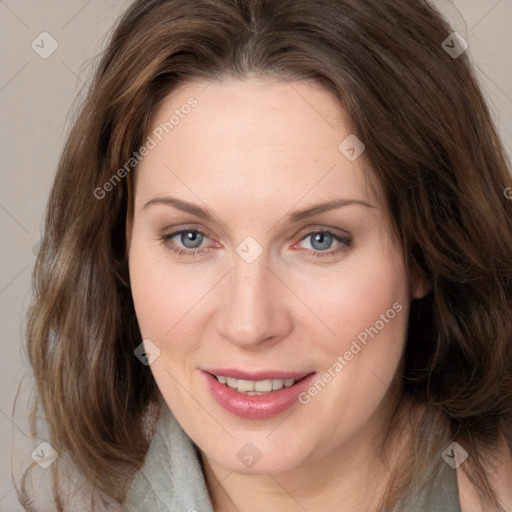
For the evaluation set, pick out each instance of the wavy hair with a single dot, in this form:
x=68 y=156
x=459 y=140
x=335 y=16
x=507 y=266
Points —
x=430 y=141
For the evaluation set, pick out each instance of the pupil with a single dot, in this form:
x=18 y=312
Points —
x=322 y=238
x=193 y=236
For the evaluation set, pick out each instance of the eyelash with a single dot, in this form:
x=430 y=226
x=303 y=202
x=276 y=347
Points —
x=345 y=243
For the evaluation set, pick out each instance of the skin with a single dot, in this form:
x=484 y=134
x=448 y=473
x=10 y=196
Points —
x=250 y=153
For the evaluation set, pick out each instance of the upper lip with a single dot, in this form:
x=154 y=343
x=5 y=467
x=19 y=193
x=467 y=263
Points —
x=256 y=375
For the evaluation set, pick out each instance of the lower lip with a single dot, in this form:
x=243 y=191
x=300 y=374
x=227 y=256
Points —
x=256 y=406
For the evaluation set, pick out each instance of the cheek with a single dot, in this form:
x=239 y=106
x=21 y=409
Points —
x=368 y=312
x=173 y=306
x=162 y=294
x=150 y=298
x=360 y=297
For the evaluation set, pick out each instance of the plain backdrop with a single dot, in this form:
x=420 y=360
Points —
x=36 y=98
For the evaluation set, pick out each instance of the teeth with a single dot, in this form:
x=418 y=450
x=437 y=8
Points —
x=245 y=385
x=255 y=387
x=263 y=385
x=277 y=384
x=232 y=383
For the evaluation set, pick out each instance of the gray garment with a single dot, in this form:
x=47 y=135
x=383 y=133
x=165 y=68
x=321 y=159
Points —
x=172 y=480
x=441 y=496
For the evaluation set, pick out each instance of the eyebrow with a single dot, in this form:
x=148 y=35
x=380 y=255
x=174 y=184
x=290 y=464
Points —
x=297 y=216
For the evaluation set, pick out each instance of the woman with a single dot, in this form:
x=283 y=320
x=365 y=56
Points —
x=276 y=267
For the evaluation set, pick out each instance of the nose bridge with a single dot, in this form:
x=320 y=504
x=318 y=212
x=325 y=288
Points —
x=249 y=314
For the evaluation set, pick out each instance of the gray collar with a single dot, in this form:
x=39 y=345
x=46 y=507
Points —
x=171 y=479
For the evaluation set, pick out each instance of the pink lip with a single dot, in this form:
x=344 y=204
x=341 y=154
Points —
x=256 y=406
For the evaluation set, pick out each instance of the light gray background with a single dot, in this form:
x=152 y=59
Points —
x=36 y=96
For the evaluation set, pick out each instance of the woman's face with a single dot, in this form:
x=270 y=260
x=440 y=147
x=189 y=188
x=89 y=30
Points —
x=236 y=271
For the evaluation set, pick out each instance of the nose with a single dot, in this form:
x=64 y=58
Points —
x=253 y=308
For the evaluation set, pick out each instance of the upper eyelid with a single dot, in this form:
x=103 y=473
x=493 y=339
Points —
x=305 y=230
x=174 y=232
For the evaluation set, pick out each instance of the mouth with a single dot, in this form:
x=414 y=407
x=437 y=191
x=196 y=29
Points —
x=256 y=395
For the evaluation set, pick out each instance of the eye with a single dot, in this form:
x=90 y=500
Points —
x=191 y=239
x=322 y=241
x=187 y=243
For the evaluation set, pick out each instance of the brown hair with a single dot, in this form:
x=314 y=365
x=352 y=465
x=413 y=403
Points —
x=429 y=140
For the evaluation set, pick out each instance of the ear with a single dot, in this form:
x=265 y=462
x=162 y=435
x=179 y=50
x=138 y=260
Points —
x=420 y=286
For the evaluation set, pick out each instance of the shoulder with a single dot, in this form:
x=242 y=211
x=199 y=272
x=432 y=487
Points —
x=500 y=477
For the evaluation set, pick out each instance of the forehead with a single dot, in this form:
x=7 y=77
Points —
x=259 y=137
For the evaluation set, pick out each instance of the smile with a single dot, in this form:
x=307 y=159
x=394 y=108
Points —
x=264 y=395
